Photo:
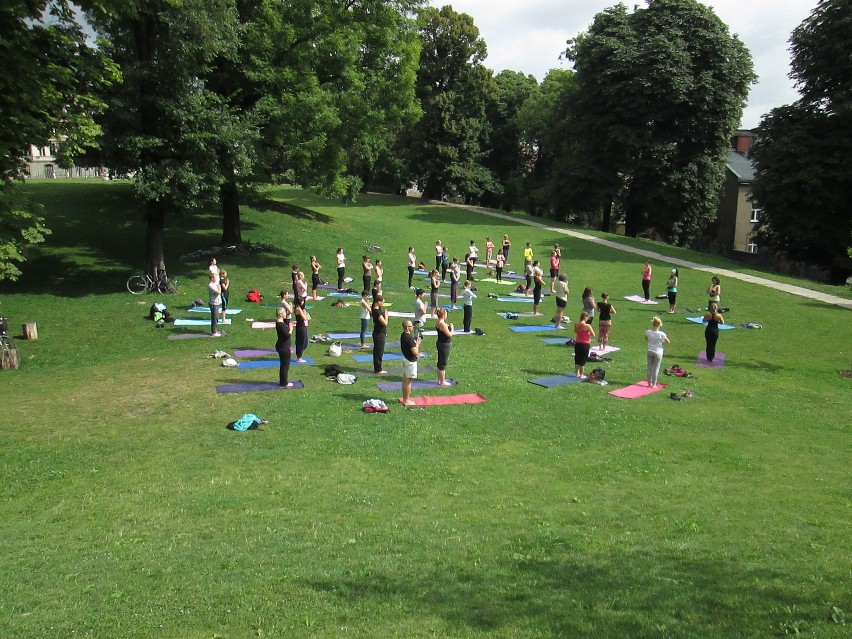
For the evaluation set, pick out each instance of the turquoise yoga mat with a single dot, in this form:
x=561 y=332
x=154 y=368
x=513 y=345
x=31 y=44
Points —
x=206 y=309
x=700 y=320
x=272 y=363
x=534 y=329
x=197 y=322
x=525 y=300
x=386 y=356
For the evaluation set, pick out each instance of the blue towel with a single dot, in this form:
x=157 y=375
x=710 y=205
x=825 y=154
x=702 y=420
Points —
x=246 y=421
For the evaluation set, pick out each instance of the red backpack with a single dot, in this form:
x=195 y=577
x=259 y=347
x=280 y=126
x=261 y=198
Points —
x=254 y=296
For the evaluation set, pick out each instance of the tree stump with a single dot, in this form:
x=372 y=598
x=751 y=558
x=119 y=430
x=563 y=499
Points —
x=30 y=330
x=9 y=358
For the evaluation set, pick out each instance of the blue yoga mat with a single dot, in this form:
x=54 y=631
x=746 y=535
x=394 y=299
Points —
x=191 y=335
x=339 y=294
x=271 y=363
x=197 y=322
x=528 y=300
x=555 y=380
x=205 y=309
x=345 y=335
x=700 y=320
x=555 y=340
x=385 y=357
x=248 y=387
x=416 y=384
x=534 y=329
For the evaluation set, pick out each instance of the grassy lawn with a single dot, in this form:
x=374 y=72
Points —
x=128 y=510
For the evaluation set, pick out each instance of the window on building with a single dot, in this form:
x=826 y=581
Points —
x=756 y=212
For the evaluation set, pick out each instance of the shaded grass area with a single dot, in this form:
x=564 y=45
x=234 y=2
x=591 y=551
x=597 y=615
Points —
x=128 y=510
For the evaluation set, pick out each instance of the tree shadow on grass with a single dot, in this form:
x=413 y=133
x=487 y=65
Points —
x=285 y=208
x=574 y=594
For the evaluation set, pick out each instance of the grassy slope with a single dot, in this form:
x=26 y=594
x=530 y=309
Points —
x=129 y=511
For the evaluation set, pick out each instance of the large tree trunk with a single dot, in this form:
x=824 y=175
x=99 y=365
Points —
x=229 y=195
x=607 y=216
x=155 y=218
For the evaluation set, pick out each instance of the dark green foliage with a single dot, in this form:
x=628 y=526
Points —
x=804 y=150
x=660 y=90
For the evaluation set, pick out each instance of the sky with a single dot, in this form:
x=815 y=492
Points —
x=529 y=35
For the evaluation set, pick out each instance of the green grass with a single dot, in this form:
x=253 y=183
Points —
x=128 y=510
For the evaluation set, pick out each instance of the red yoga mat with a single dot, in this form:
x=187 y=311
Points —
x=469 y=398
x=636 y=390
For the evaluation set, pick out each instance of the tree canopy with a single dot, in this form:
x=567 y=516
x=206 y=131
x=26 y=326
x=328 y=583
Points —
x=660 y=90
x=803 y=151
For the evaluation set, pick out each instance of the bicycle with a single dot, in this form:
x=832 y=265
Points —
x=372 y=248
x=138 y=284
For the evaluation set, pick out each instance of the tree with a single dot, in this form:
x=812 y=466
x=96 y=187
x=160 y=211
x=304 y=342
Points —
x=507 y=150
x=803 y=151
x=164 y=124
x=660 y=91
x=47 y=84
x=453 y=86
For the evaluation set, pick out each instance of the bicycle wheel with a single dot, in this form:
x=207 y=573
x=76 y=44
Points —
x=137 y=284
x=170 y=285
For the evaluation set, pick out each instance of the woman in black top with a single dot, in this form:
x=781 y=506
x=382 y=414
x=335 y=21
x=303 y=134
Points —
x=302 y=318
x=380 y=334
x=711 y=333
x=282 y=346
x=443 y=345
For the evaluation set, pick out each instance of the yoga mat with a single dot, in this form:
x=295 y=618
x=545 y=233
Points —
x=248 y=387
x=416 y=384
x=703 y=362
x=514 y=276
x=516 y=299
x=640 y=299
x=397 y=370
x=555 y=380
x=700 y=320
x=555 y=340
x=521 y=314
x=345 y=335
x=426 y=400
x=534 y=329
x=446 y=307
x=205 y=309
x=399 y=313
x=385 y=357
x=339 y=294
x=197 y=322
x=458 y=333
x=272 y=363
x=263 y=324
x=254 y=352
x=357 y=347
x=191 y=335
x=603 y=351
x=516 y=294
x=636 y=390
x=491 y=280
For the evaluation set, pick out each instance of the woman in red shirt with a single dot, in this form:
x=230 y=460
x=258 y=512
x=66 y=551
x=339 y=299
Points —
x=583 y=342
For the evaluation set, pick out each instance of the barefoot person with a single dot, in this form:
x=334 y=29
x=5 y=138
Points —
x=366 y=308
x=315 y=276
x=714 y=293
x=380 y=334
x=656 y=338
x=303 y=318
x=711 y=333
x=646 y=280
x=605 y=313
x=671 y=291
x=468 y=296
x=410 y=346
x=582 y=344
x=538 y=282
x=282 y=345
x=214 y=296
x=412 y=265
x=341 y=268
x=560 y=292
x=443 y=345
x=224 y=284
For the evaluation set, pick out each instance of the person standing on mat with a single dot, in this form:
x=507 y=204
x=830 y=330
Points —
x=282 y=346
x=469 y=262
x=412 y=265
x=528 y=278
x=300 y=288
x=443 y=345
x=528 y=253
x=507 y=245
x=606 y=311
x=302 y=320
x=554 y=269
x=711 y=333
x=434 y=284
x=561 y=294
x=380 y=334
x=379 y=275
x=714 y=293
x=214 y=268
x=366 y=312
x=656 y=339
x=410 y=346
x=468 y=296
x=474 y=252
x=367 y=275
x=671 y=290
x=582 y=344
x=439 y=255
x=538 y=283
x=489 y=253
x=419 y=310
x=341 y=268
x=499 y=262
x=589 y=304
x=315 y=276
x=646 y=280
x=445 y=264
x=214 y=296
x=455 y=275
x=224 y=283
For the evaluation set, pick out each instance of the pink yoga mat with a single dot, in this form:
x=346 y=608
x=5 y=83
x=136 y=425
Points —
x=718 y=361
x=636 y=390
x=470 y=398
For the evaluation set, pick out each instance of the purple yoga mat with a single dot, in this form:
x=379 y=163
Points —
x=256 y=352
x=248 y=387
x=417 y=384
x=718 y=361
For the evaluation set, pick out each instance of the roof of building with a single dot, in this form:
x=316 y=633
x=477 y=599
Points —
x=740 y=166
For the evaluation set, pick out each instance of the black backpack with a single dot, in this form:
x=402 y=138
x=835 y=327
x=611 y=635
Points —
x=332 y=370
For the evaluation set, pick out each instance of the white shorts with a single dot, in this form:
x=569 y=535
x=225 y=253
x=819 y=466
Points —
x=409 y=369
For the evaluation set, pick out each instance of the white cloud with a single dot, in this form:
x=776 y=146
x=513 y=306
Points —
x=529 y=35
